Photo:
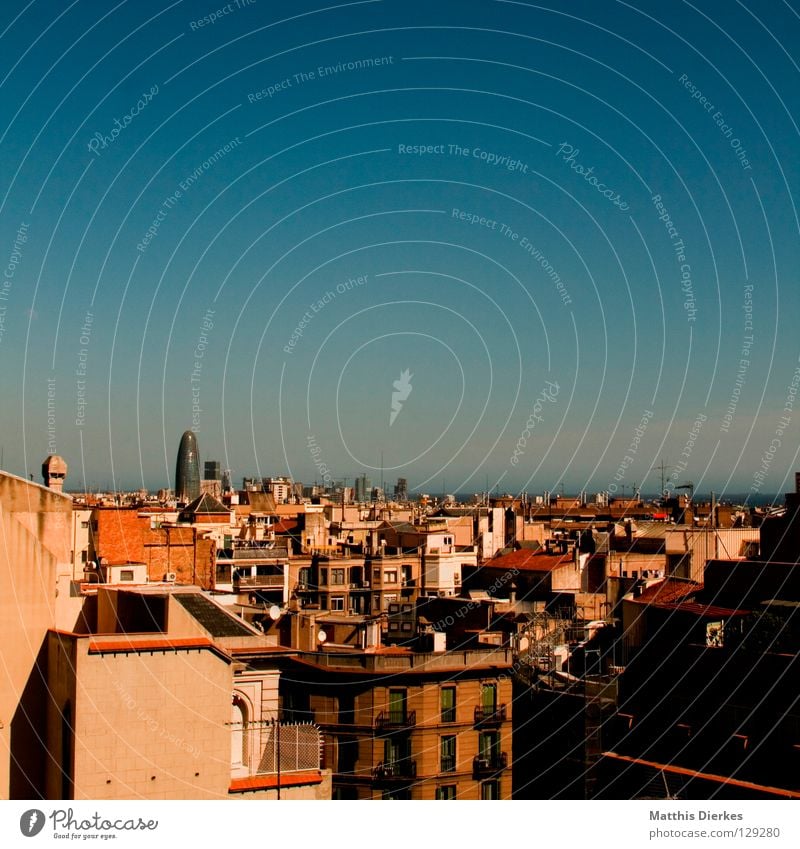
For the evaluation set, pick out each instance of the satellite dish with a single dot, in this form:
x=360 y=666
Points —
x=321 y=637
x=274 y=612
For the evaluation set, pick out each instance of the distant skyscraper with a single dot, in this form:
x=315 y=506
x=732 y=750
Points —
x=187 y=469
x=211 y=470
x=401 y=489
x=363 y=488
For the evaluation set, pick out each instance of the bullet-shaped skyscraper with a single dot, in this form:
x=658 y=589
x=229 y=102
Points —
x=187 y=469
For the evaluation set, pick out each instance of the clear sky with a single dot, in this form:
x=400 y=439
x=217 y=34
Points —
x=573 y=225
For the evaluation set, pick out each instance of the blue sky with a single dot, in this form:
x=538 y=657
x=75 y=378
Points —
x=598 y=195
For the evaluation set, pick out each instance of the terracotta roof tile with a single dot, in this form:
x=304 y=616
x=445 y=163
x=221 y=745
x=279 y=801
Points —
x=270 y=782
x=528 y=561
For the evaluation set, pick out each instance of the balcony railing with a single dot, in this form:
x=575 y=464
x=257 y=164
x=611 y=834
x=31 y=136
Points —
x=266 y=748
x=404 y=769
x=250 y=581
x=488 y=764
x=389 y=721
x=493 y=715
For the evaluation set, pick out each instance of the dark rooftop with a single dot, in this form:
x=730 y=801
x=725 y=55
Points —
x=216 y=621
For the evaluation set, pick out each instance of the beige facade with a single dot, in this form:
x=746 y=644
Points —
x=35 y=525
x=688 y=549
x=137 y=719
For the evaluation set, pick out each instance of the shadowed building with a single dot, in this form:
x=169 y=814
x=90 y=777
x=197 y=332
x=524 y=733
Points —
x=187 y=469
x=35 y=532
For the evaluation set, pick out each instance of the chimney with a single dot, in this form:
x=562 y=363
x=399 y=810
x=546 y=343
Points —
x=54 y=471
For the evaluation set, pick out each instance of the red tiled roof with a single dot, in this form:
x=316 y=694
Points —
x=668 y=591
x=149 y=644
x=525 y=560
x=284 y=527
x=270 y=782
x=704 y=609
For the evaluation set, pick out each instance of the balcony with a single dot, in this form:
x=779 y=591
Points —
x=487 y=716
x=249 y=582
x=268 y=748
x=483 y=765
x=401 y=770
x=390 y=723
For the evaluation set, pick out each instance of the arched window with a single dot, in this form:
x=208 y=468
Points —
x=239 y=733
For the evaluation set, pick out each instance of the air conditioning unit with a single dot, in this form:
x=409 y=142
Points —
x=170 y=577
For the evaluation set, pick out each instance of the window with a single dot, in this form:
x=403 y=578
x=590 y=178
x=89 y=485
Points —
x=337 y=602
x=489 y=747
x=448 y=750
x=239 y=741
x=323 y=577
x=447 y=791
x=490 y=790
x=448 y=704
x=390 y=576
x=84 y=525
x=337 y=576
x=126 y=575
x=397 y=706
x=396 y=756
x=489 y=699
x=388 y=599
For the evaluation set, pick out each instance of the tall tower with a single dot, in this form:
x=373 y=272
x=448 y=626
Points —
x=187 y=469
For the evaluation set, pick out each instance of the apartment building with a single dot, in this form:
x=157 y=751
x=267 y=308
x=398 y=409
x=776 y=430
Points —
x=158 y=701
x=400 y=724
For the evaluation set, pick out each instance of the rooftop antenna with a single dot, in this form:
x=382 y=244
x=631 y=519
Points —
x=662 y=466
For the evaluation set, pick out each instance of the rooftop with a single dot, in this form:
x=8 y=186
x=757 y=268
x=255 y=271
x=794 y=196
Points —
x=526 y=560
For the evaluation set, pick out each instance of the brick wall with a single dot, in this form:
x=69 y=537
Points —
x=123 y=535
